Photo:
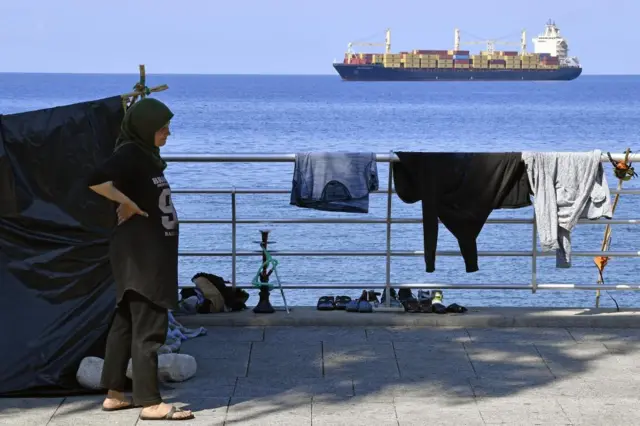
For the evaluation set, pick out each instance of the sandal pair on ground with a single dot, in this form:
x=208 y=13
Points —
x=364 y=304
x=427 y=303
x=427 y=307
x=345 y=303
x=331 y=303
x=127 y=405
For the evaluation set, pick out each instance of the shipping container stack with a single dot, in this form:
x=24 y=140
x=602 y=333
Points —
x=461 y=58
x=392 y=60
x=410 y=60
x=445 y=60
x=511 y=60
x=497 y=63
x=479 y=61
x=429 y=58
x=529 y=61
x=428 y=61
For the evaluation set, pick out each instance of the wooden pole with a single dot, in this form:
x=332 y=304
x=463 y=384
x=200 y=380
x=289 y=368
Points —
x=606 y=241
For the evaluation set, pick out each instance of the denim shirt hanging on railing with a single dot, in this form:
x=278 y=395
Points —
x=334 y=181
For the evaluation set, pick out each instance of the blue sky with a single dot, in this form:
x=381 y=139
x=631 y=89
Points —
x=290 y=36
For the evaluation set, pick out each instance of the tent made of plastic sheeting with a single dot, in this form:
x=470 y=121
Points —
x=56 y=287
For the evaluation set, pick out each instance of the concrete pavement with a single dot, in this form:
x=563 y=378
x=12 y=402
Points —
x=376 y=375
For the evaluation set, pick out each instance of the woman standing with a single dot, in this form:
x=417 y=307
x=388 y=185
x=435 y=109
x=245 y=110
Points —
x=144 y=259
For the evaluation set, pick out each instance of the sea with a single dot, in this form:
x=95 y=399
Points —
x=278 y=114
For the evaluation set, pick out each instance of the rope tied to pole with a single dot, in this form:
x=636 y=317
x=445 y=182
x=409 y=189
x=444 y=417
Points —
x=141 y=90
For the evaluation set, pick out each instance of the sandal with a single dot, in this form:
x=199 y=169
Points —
x=326 y=303
x=411 y=306
x=169 y=416
x=456 y=309
x=342 y=302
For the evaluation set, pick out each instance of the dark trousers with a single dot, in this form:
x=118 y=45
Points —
x=138 y=330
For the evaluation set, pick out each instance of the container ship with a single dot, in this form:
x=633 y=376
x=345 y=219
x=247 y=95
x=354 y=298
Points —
x=549 y=62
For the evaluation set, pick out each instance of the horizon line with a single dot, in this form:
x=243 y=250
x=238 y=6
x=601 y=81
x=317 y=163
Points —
x=225 y=74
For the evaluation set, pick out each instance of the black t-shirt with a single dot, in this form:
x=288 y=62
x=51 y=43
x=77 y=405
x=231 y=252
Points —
x=143 y=250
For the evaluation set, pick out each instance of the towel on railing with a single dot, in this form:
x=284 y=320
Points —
x=566 y=186
x=460 y=189
x=334 y=181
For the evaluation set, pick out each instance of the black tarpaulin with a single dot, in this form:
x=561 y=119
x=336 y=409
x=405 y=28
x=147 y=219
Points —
x=56 y=287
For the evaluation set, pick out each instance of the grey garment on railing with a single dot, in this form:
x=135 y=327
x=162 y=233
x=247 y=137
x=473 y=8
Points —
x=334 y=181
x=566 y=187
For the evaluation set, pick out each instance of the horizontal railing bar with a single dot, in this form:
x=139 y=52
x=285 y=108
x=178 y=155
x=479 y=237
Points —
x=246 y=191
x=441 y=286
x=288 y=191
x=383 y=221
x=282 y=158
x=562 y=286
x=594 y=253
x=403 y=253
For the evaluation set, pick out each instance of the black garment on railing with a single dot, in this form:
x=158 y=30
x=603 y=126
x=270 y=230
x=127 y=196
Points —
x=460 y=189
x=57 y=295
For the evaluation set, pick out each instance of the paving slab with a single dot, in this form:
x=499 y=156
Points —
x=387 y=390
x=315 y=334
x=513 y=334
x=28 y=411
x=347 y=412
x=418 y=334
x=202 y=385
x=357 y=360
x=508 y=387
x=423 y=359
x=413 y=411
x=274 y=411
x=569 y=359
x=601 y=410
x=606 y=334
x=285 y=359
x=508 y=361
x=522 y=411
x=293 y=387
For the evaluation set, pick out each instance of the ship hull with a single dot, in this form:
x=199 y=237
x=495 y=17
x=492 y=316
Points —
x=350 y=72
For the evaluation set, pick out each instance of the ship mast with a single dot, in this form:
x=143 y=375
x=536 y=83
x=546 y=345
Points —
x=387 y=41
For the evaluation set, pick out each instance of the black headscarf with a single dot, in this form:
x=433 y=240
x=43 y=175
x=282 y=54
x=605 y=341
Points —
x=140 y=124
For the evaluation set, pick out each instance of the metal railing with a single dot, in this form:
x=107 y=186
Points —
x=388 y=220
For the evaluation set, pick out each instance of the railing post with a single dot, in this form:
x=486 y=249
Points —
x=233 y=238
x=387 y=283
x=534 y=255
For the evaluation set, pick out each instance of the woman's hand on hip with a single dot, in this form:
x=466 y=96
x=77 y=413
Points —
x=127 y=210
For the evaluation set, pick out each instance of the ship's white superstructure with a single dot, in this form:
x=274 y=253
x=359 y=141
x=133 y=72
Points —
x=552 y=43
